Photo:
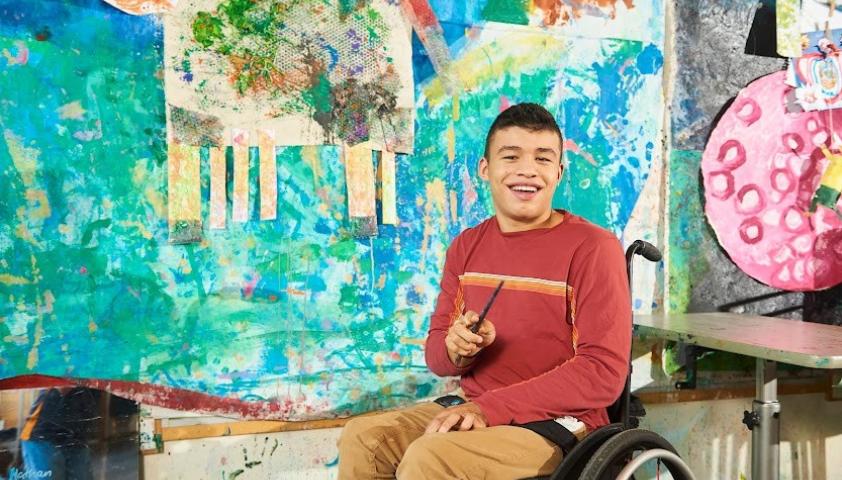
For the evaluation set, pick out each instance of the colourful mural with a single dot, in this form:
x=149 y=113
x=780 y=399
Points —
x=284 y=318
x=762 y=168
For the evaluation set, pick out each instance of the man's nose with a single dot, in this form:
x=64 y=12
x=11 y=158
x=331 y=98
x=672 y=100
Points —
x=526 y=167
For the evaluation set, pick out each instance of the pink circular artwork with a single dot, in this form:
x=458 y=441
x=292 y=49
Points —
x=761 y=169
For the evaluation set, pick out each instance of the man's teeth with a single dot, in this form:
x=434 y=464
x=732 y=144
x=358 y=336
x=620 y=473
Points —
x=524 y=188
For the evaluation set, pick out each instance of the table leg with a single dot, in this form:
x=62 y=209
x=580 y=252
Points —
x=765 y=437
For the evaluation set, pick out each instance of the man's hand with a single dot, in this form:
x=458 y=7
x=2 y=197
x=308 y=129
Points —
x=467 y=416
x=460 y=341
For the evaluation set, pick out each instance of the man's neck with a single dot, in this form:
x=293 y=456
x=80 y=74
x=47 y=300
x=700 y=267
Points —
x=551 y=219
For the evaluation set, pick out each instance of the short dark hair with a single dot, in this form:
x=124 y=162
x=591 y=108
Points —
x=529 y=116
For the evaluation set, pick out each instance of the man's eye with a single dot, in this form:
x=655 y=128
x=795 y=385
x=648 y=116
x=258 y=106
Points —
x=510 y=157
x=542 y=159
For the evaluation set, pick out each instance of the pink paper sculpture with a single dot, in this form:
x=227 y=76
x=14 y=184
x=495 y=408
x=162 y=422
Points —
x=761 y=168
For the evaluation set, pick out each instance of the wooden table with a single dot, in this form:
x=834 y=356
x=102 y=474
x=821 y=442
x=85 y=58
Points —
x=769 y=340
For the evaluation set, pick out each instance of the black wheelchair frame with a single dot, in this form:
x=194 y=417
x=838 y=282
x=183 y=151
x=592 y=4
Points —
x=609 y=451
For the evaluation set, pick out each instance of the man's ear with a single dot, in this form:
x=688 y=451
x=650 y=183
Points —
x=560 y=171
x=482 y=168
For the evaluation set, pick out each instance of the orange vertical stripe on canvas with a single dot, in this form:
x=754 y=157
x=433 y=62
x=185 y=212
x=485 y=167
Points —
x=388 y=196
x=217 y=187
x=359 y=177
x=268 y=175
x=241 y=175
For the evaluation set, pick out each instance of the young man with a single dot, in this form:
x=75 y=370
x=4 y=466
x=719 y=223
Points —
x=554 y=345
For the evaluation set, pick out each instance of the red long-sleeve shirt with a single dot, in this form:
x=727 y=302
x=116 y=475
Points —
x=563 y=320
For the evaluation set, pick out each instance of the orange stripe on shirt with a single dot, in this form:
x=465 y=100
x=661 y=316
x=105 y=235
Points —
x=458 y=305
x=524 y=284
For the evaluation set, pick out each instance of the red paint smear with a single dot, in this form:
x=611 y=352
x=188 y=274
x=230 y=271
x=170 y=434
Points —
x=33 y=381
x=555 y=10
x=574 y=147
x=421 y=13
x=160 y=396
x=248 y=287
x=504 y=103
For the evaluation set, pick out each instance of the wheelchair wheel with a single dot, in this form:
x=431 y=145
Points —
x=614 y=454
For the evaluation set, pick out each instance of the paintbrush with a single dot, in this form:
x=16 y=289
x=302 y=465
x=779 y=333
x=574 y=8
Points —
x=475 y=327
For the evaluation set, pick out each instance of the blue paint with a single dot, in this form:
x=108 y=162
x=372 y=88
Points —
x=650 y=60
x=275 y=359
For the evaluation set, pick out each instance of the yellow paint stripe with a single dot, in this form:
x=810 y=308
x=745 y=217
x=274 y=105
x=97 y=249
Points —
x=240 y=204
x=268 y=175
x=832 y=176
x=388 y=195
x=218 y=194
x=7 y=279
x=484 y=63
x=359 y=179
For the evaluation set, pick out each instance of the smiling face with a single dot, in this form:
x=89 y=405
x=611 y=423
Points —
x=523 y=169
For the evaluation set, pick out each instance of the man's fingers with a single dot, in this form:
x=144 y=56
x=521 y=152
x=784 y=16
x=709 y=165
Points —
x=465 y=334
x=460 y=341
x=467 y=350
x=461 y=345
x=434 y=425
x=448 y=423
x=479 y=422
x=467 y=422
x=470 y=318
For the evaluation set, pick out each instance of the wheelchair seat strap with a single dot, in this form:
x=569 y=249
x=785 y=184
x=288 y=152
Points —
x=554 y=432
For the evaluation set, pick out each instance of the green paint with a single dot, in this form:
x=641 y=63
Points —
x=347 y=7
x=207 y=29
x=344 y=250
x=688 y=231
x=237 y=13
x=506 y=11
x=93 y=227
x=348 y=298
x=318 y=96
x=825 y=195
x=403 y=276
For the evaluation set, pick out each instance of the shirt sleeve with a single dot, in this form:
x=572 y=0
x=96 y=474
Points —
x=599 y=307
x=449 y=307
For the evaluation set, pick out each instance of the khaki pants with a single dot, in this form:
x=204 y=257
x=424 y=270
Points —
x=393 y=445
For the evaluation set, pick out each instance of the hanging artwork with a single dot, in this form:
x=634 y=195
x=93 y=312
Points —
x=314 y=72
x=768 y=178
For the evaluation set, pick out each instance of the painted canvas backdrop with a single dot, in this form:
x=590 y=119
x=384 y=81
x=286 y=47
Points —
x=291 y=318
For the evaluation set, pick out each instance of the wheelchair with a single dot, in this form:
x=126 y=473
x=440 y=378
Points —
x=616 y=450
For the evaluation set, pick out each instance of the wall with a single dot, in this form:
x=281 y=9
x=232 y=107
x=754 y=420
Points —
x=808 y=445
